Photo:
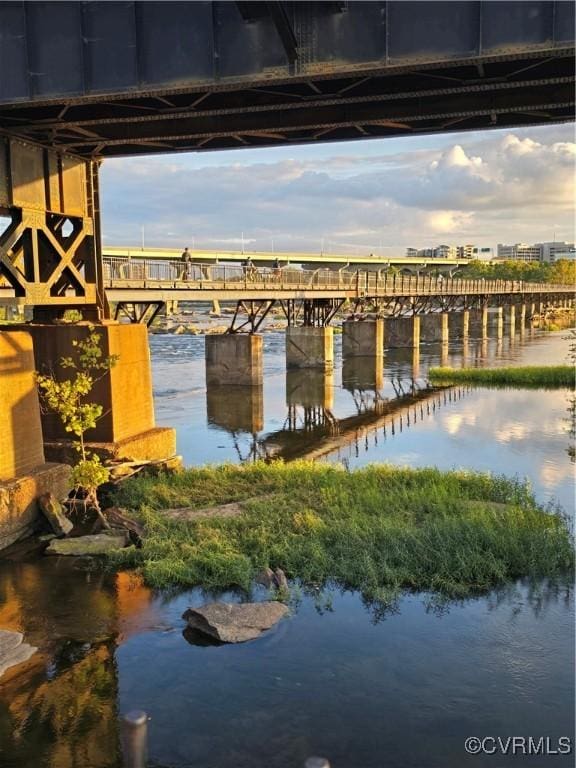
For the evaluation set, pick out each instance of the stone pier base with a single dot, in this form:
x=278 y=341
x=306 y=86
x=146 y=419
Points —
x=458 y=324
x=24 y=473
x=434 y=327
x=126 y=429
x=402 y=331
x=154 y=444
x=498 y=316
x=308 y=347
x=479 y=322
x=234 y=359
x=363 y=338
x=511 y=319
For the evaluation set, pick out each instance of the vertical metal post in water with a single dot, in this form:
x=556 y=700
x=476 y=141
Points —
x=316 y=762
x=133 y=735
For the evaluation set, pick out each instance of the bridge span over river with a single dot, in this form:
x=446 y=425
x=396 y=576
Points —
x=84 y=81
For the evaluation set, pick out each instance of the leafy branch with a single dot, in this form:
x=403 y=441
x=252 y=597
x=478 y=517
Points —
x=67 y=399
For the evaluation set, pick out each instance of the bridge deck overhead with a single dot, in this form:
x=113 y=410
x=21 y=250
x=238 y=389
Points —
x=121 y=78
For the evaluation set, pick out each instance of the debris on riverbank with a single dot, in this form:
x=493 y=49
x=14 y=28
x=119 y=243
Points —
x=379 y=530
x=549 y=376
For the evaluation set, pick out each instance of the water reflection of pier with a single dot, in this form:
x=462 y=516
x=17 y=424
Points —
x=311 y=430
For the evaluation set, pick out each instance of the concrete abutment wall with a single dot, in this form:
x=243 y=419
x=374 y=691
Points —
x=24 y=473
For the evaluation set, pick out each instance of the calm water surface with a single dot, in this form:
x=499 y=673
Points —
x=338 y=678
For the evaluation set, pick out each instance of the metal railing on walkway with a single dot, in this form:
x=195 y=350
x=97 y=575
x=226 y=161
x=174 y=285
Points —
x=121 y=273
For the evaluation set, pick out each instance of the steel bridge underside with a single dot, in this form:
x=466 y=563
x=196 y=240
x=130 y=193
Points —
x=317 y=306
x=103 y=79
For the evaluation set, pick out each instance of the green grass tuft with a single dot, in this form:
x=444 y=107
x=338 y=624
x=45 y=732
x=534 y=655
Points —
x=376 y=529
x=550 y=376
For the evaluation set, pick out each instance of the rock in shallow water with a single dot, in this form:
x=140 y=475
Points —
x=100 y=544
x=235 y=623
x=12 y=650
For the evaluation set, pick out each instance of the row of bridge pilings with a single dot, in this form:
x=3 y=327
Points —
x=236 y=359
x=35 y=451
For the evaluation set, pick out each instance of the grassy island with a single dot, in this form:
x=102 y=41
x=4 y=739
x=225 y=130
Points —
x=378 y=530
x=549 y=376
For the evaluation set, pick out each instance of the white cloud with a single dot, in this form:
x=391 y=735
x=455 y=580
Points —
x=485 y=187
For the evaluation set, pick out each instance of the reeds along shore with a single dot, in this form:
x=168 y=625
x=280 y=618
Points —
x=378 y=530
x=550 y=376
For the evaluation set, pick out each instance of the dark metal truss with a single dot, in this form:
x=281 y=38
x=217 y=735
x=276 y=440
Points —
x=470 y=94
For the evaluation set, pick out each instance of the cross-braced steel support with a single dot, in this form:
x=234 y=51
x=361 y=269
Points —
x=49 y=245
x=144 y=313
x=255 y=311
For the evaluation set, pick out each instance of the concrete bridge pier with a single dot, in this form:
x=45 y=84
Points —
x=363 y=338
x=402 y=331
x=171 y=307
x=511 y=319
x=234 y=359
x=310 y=347
x=434 y=327
x=522 y=319
x=24 y=473
x=479 y=322
x=459 y=324
x=499 y=322
x=126 y=429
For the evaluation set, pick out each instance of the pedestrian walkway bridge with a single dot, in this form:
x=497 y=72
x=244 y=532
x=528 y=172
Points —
x=163 y=280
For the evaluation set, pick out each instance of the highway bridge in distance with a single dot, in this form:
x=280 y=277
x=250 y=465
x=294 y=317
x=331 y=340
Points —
x=305 y=260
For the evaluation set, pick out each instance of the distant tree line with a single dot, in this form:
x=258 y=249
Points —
x=562 y=271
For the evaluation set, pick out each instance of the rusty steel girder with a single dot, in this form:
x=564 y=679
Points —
x=49 y=229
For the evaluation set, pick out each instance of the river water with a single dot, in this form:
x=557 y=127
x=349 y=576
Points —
x=338 y=678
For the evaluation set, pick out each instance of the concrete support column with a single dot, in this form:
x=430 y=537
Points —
x=522 y=317
x=309 y=347
x=24 y=473
x=499 y=320
x=459 y=324
x=512 y=319
x=363 y=338
x=402 y=331
x=479 y=322
x=434 y=327
x=234 y=359
x=171 y=307
x=126 y=429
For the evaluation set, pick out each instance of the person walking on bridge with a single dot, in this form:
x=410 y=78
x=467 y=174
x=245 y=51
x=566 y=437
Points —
x=186 y=259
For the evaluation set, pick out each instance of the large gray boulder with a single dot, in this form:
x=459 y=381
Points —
x=13 y=650
x=235 y=623
x=99 y=544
